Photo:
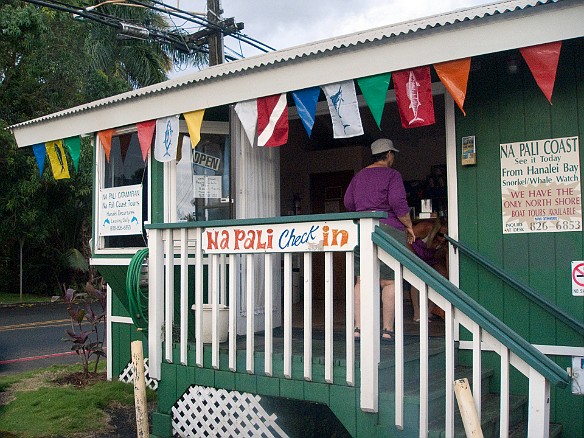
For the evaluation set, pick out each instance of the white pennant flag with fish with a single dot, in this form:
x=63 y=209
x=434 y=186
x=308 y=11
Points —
x=166 y=143
x=344 y=108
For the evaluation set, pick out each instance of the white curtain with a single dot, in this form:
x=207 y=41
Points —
x=257 y=195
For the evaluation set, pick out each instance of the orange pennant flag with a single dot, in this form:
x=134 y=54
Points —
x=543 y=63
x=454 y=76
x=105 y=138
x=145 y=134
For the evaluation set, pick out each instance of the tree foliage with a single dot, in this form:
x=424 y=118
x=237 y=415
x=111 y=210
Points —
x=50 y=61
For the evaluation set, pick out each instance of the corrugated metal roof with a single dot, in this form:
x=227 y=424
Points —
x=318 y=48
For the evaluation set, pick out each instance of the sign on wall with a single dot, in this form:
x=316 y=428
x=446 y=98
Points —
x=294 y=237
x=540 y=186
x=578 y=278
x=120 y=211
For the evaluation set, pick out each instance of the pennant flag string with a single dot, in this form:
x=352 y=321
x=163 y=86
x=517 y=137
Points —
x=306 y=101
x=344 y=109
x=413 y=93
x=166 y=143
x=543 y=63
x=194 y=120
x=73 y=145
x=272 y=122
x=454 y=76
x=247 y=112
x=374 y=90
x=105 y=138
x=58 y=159
x=39 y=153
x=145 y=135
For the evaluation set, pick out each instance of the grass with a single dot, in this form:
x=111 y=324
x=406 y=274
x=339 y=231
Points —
x=33 y=405
x=11 y=298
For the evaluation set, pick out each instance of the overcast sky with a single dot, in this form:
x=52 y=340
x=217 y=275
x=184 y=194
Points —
x=282 y=24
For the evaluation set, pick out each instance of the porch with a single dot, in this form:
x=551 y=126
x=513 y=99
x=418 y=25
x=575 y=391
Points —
x=375 y=389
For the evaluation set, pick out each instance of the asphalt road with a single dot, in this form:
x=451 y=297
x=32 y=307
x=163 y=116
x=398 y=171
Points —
x=31 y=337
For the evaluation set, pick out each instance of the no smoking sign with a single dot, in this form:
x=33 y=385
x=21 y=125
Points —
x=578 y=279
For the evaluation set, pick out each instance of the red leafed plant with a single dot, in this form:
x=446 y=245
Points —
x=84 y=333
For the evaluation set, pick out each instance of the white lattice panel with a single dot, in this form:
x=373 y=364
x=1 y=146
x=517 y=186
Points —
x=211 y=412
x=127 y=375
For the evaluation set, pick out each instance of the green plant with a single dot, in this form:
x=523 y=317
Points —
x=85 y=323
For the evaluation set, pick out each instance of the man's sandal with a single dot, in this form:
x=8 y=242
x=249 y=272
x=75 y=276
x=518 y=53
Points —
x=387 y=335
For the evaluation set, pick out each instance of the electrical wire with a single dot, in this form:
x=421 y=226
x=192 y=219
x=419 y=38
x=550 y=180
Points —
x=137 y=293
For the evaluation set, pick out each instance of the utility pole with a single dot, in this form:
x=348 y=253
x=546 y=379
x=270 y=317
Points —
x=215 y=38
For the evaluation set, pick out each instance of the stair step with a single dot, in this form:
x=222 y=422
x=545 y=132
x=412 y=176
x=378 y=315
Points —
x=489 y=419
x=520 y=430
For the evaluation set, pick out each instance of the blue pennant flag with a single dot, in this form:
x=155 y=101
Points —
x=306 y=105
x=39 y=153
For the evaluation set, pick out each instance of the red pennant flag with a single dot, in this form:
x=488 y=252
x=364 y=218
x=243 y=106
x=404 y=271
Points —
x=145 y=134
x=543 y=63
x=454 y=76
x=105 y=137
x=125 y=145
x=413 y=93
x=272 y=120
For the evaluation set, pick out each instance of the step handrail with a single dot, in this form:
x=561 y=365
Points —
x=556 y=375
x=529 y=292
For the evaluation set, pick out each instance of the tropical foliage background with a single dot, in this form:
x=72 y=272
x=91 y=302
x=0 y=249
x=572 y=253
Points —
x=50 y=61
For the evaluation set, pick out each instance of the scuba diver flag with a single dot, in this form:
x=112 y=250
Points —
x=166 y=141
x=272 y=120
x=58 y=159
x=413 y=93
x=344 y=108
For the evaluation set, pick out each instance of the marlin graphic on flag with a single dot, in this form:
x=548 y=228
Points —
x=344 y=109
x=166 y=142
x=413 y=91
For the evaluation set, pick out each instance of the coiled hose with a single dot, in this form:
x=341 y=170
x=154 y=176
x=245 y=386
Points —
x=137 y=293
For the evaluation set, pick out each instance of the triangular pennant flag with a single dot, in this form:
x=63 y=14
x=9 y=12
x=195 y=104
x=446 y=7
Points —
x=166 y=143
x=543 y=63
x=454 y=76
x=105 y=138
x=145 y=134
x=374 y=90
x=125 y=141
x=413 y=93
x=248 y=116
x=272 y=120
x=306 y=101
x=73 y=145
x=58 y=159
x=194 y=121
x=344 y=109
x=39 y=153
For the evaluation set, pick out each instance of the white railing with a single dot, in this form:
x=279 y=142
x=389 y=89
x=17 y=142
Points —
x=190 y=243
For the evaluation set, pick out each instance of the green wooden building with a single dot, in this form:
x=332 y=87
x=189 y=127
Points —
x=246 y=302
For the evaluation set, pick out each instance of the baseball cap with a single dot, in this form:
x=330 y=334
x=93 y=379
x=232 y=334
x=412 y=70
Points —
x=382 y=145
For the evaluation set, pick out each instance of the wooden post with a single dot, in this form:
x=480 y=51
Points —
x=140 y=391
x=468 y=412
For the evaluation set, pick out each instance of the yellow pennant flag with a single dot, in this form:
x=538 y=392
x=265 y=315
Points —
x=58 y=159
x=194 y=121
x=454 y=76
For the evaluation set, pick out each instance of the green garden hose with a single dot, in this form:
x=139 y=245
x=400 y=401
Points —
x=137 y=293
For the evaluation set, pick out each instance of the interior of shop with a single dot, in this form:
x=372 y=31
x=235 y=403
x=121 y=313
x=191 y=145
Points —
x=315 y=173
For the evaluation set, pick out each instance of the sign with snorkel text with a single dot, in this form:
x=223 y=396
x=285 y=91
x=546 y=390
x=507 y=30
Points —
x=292 y=237
x=540 y=186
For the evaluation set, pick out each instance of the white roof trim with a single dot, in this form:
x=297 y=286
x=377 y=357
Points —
x=486 y=29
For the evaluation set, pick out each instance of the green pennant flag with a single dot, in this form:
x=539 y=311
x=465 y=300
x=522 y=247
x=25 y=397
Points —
x=374 y=90
x=73 y=145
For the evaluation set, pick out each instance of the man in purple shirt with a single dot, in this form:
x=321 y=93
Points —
x=378 y=187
